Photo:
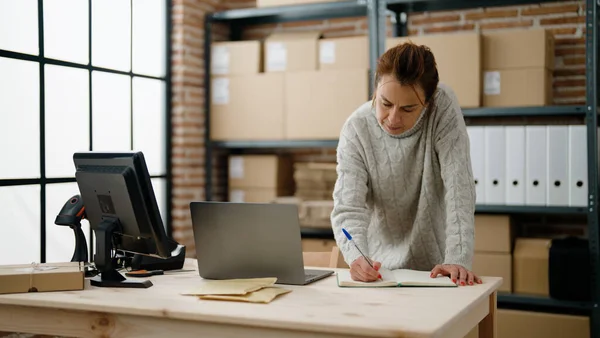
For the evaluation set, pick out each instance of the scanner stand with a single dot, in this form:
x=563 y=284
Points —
x=108 y=274
x=81 y=250
x=150 y=263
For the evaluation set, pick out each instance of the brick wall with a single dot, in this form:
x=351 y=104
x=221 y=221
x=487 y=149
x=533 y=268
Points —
x=566 y=20
x=188 y=110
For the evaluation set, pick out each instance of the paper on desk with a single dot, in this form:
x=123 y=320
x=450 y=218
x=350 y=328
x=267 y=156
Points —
x=264 y=295
x=230 y=286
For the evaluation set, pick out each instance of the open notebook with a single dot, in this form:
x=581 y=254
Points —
x=395 y=278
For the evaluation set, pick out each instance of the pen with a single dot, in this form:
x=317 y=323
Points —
x=357 y=248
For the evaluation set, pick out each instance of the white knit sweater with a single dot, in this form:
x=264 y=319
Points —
x=407 y=200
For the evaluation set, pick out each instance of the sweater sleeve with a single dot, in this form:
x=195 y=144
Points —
x=349 y=196
x=453 y=151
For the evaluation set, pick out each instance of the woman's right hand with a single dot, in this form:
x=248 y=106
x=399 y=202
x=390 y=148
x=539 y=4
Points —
x=361 y=271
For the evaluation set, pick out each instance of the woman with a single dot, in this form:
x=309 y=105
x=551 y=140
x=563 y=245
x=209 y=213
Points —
x=405 y=189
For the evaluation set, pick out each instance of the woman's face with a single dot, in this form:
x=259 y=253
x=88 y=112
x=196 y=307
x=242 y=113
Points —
x=397 y=107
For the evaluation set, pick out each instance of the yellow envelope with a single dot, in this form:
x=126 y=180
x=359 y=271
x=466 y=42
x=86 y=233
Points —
x=230 y=286
x=265 y=295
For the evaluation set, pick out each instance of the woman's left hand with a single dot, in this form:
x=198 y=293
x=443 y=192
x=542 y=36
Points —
x=457 y=273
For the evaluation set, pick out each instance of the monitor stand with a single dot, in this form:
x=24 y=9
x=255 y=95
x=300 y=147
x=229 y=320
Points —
x=109 y=276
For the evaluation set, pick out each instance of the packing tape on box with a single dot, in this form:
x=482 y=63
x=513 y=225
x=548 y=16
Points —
x=37 y=267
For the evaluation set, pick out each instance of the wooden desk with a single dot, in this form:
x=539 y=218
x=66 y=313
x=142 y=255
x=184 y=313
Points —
x=321 y=309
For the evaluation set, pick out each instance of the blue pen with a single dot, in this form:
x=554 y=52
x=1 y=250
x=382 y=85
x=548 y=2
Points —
x=356 y=246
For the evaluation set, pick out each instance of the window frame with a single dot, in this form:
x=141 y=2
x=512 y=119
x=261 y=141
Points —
x=42 y=61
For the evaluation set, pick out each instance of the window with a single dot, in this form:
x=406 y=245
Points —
x=76 y=76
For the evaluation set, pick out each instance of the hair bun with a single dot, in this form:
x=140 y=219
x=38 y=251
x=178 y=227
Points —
x=412 y=65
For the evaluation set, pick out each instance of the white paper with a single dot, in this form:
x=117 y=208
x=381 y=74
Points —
x=578 y=187
x=236 y=167
x=220 y=91
x=236 y=196
x=492 y=83
x=276 y=56
x=557 y=142
x=220 y=60
x=515 y=165
x=495 y=159
x=476 y=136
x=535 y=165
x=327 y=52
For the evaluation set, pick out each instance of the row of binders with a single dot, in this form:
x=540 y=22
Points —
x=530 y=165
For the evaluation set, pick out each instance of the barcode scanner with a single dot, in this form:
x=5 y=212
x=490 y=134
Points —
x=71 y=215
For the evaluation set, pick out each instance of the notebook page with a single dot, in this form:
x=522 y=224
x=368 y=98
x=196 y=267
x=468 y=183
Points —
x=344 y=279
x=406 y=277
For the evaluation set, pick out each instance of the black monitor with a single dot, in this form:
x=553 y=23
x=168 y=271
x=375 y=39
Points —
x=121 y=207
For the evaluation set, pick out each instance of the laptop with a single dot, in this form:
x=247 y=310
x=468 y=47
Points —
x=250 y=240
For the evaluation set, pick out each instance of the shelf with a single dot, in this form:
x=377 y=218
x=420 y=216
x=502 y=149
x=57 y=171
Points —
x=274 y=144
x=320 y=233
x=526 y=302
x=527 y=209
x=578 y=111
x=438 y=5
x=316 y=11
x=326 y=233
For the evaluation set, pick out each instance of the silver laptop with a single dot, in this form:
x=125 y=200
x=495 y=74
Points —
x=250 y=240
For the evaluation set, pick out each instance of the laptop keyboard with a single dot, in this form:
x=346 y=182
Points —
x=310 y=275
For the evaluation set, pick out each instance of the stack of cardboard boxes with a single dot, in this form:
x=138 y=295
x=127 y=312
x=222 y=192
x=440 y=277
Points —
x=525 y=272
x=311 y=214
x=298 y=86
x=517 y=68
x=314 y=181
x=499 y=69
x=524 y=268
x=259 y=178
x=493 y=243
x=316 y=214
x=292 y=86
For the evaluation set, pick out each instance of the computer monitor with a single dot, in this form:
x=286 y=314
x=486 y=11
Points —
x=122 y=211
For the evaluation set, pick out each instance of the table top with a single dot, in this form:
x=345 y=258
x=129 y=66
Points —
x=321 y=306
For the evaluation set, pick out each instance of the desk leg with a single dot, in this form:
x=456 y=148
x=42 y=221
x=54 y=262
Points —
x=487 y=327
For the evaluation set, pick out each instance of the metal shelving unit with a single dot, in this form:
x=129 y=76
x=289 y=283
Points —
x=376 y=12
x=544 y=304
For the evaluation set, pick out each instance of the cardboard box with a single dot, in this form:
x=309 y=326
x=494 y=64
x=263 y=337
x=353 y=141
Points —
x=494 y=265
x=530 y=266
x=317 y=245
x=316 y=214
x=515 y=79
x=517 y=324
x=41 y=277
x=256 y=195
x=261 y=171
x=458 y=58
x=493 y=233
x=312 y=194
x=291 y=51
x=236 y=58
x=517 y=87
x=270 y=3
x=317 y=209
x=504 y=50
x=247 y=107
x=315 y=171
x=317 y=106
x=344 y=53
